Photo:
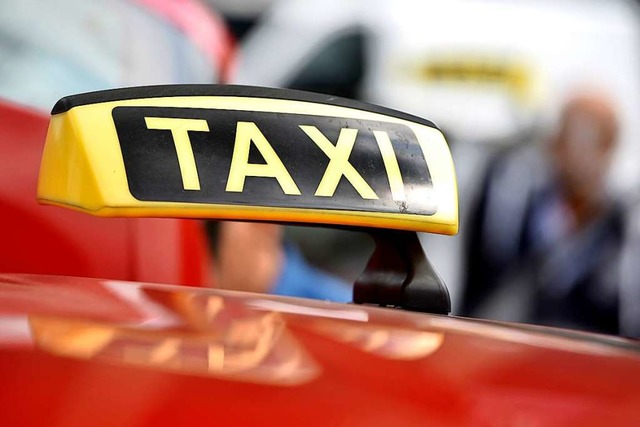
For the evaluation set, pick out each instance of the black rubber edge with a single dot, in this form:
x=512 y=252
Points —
x=69 y=102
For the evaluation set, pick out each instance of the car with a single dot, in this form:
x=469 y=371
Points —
x=52 y=53
x=83 y=351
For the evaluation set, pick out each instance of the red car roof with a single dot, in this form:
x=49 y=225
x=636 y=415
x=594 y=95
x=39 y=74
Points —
x=78 y=352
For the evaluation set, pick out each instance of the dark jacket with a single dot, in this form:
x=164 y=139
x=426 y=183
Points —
x=521 y=266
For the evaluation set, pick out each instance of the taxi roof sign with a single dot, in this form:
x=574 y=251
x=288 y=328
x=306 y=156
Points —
x=247 y=153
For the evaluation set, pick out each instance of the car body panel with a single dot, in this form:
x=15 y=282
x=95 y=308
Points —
x=101 y=352
x=50 y=240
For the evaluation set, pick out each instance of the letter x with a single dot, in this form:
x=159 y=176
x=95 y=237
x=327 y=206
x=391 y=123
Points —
x=338 y=163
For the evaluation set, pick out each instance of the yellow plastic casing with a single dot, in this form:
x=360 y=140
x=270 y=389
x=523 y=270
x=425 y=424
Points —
x=83 y=169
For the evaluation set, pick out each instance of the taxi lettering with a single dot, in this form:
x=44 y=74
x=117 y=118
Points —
x=248 y=133
x=222 y=156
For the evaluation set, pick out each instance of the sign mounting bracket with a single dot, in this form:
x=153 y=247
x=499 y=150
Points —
x=400 y=275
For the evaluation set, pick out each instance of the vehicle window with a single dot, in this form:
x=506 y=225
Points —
x=52 y=49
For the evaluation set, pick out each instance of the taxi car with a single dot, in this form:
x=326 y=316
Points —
x=81 y=351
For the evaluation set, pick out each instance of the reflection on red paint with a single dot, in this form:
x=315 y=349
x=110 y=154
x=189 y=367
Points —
x=254 y=347
x=385 y=341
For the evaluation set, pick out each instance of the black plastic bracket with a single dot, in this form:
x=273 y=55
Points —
x=400 y=275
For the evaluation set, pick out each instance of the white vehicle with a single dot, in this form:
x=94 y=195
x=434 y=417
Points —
x=487 y=72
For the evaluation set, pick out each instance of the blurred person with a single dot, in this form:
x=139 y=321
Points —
x=546 y=235
x=275 y=267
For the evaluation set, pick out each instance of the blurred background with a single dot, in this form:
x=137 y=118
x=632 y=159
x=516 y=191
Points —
x=539 y=101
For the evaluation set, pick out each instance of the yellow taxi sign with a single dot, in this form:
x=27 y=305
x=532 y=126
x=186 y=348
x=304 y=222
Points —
x=247 y=153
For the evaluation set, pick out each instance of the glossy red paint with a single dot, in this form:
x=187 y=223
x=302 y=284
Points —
x=79 y=352
x=49 y=240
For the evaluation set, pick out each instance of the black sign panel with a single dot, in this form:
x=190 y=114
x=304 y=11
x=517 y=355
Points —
x=156 y=172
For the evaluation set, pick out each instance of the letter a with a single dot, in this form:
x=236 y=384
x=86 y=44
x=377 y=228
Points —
x=247 y=132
